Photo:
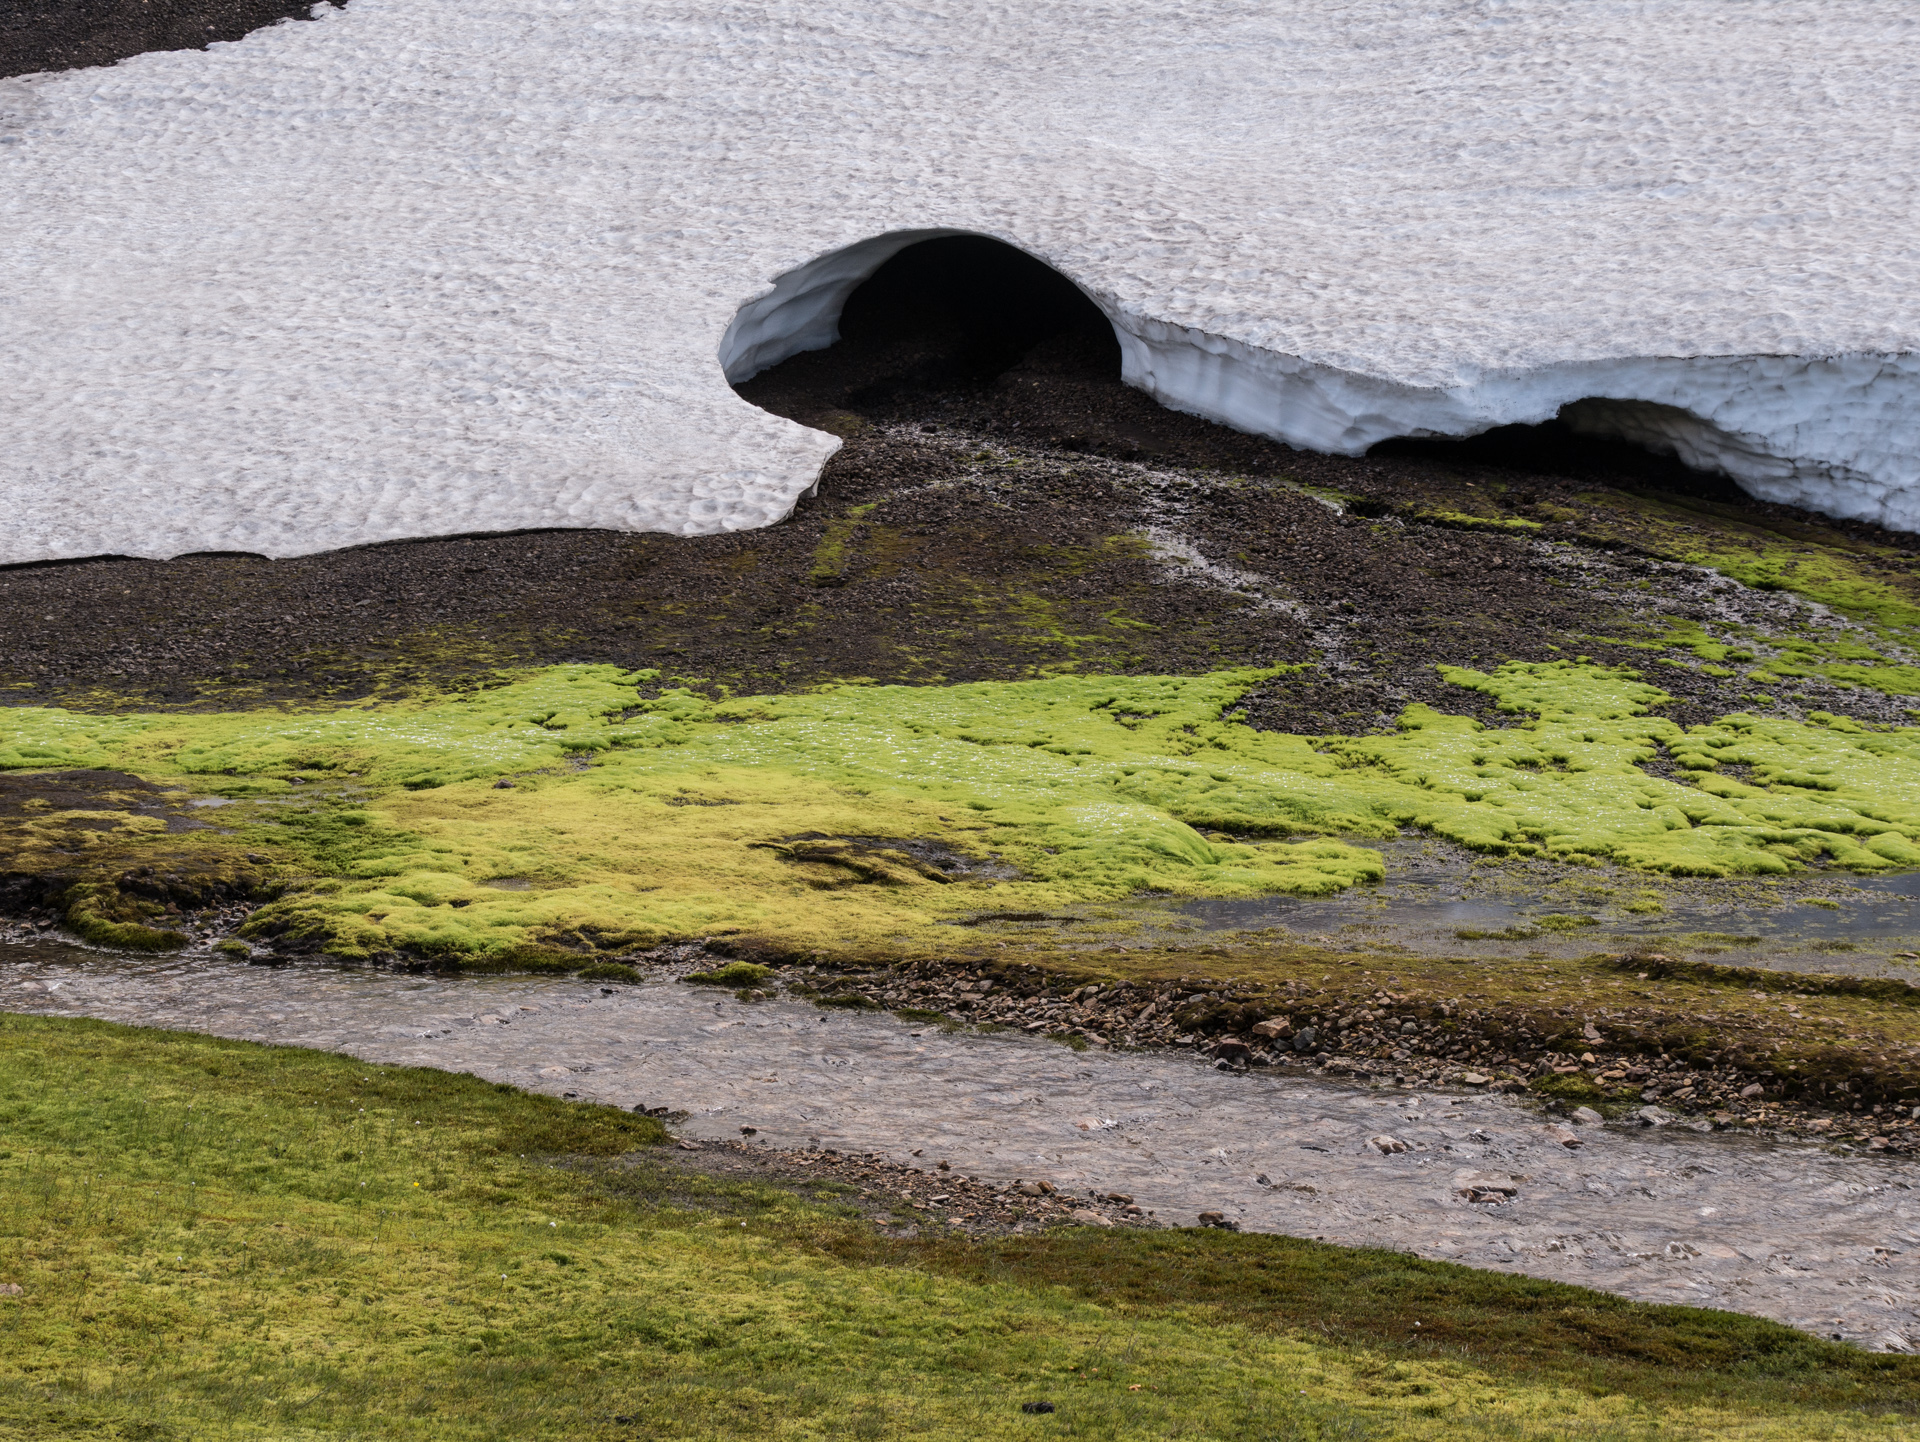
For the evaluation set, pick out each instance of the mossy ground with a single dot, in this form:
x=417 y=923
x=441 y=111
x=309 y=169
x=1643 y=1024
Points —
x=620 y=819
x=218 y=1238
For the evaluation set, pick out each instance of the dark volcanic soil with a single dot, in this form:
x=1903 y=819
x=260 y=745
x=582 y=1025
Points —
x=37 y=35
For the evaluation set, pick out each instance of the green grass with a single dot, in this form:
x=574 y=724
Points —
x=217 y=1239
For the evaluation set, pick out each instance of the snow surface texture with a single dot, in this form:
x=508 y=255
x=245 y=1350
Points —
x=423 y=268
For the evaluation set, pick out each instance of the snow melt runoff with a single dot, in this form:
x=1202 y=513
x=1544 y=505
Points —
x=421 y=268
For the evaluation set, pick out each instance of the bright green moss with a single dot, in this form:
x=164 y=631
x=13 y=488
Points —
x=1461 y=521
x=1040 y=794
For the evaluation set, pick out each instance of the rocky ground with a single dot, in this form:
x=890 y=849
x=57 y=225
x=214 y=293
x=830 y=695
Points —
x=907 y=1201
x=1410 y=1038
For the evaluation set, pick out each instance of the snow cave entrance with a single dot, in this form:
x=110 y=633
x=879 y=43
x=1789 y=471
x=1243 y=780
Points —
x=1640 y=443
x=913 y=317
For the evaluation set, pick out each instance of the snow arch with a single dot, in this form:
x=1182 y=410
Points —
x=804 y=310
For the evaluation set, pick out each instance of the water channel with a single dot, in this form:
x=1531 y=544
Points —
x=1823 y=1241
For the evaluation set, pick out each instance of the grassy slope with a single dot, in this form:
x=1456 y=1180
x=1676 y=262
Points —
x=217 y=1238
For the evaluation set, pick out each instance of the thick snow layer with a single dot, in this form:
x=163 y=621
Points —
x=423 y=267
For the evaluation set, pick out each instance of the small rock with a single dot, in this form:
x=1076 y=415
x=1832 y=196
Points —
x=1218 y=1219
x=503 y=784
x=749 y=1131
x=1474 y=1079
x=1386 y=1145
x=1087 y=1217
x=1272 y=1028
x=1032 y=1189
x=12 y=1289
x=1231 y=1049
x=686 y=1146
x=1587 y=1116
x=1036 y=1406
x=1485 y=1186
x=1652 y=1117
x=1120 y=1197
x=1748 y=1093
x=1566 y=1136
x=1304 y=1039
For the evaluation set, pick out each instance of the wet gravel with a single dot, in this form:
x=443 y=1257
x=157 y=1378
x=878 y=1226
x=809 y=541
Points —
x=1822 y=1241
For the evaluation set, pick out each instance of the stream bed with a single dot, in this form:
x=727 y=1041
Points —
x=1821 y=1240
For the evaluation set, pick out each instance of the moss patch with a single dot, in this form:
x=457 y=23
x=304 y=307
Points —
x=853 y=813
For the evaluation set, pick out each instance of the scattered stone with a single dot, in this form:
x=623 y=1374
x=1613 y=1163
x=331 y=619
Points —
x=1566 y=1136
x=12 y=1289
x=1218 y=1219
x=1475 y=1079
x=1036 y=1407
x=1304 y=1039
x=1272 y=1028
x=1089 y=1218
x=1386 y=1145
x=1587 y=1116
x=1484 y=1187
x=1748 y=1093
x=1652 y=1117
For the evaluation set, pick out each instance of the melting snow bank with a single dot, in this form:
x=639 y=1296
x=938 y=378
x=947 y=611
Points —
x=1835 y=434
x=423 y=267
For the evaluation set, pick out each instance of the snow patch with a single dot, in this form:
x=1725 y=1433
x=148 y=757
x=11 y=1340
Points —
x=423 y=267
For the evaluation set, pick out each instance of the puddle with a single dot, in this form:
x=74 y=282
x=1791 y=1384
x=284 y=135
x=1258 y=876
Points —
x=1826 y=1242
x=1439 y=899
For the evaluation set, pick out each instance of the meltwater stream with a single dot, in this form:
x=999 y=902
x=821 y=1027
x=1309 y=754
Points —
x=1826 y=1242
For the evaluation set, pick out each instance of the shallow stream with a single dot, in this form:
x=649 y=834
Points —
x=1827 y=1242
x=1439 y=899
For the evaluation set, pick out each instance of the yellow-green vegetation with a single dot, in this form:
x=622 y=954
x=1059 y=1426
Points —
x=1868 y=581
x=859 y=812
x=217 y=1238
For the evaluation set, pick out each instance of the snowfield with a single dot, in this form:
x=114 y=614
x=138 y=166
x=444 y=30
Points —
x=421 y=268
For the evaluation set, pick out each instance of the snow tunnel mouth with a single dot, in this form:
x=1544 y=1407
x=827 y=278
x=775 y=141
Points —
x=910 y=318
x=966 y=308
x=1595 y=438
